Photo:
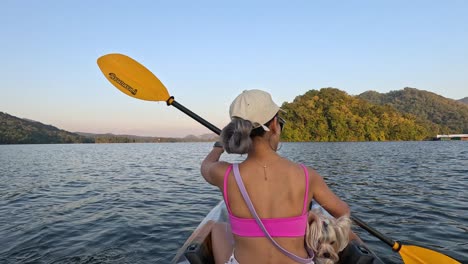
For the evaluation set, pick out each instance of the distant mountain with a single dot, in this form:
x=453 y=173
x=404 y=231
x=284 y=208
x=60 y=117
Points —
x=112 y=138
x=204 y=137
x=14 y=130
x=449 y=114
x=463 y=100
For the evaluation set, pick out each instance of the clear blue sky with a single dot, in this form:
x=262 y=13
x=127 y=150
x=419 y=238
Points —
x=206 y=52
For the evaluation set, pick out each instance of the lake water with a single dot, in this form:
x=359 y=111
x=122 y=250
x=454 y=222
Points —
x=137 y=203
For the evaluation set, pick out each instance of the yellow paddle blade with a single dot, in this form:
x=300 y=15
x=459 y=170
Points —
x=132 y=78
x=419 y=255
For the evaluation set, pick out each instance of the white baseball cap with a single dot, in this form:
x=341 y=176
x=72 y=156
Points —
x=255 y=106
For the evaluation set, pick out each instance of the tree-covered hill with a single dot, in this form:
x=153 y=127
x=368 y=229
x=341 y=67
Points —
x=450 y=114
x=333 y=115
x=14 y=130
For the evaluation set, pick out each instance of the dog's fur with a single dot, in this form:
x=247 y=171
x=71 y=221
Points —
x=327 y=236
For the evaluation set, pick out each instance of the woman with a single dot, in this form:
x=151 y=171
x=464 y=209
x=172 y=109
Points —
x=279 y=189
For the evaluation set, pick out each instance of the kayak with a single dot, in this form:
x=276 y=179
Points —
x=197 y=248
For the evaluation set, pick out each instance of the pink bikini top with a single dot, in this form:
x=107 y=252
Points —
x=277 y=227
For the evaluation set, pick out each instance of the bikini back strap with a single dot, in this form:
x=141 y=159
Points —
x=225 y=188
x=247 y=200
x=306 y=194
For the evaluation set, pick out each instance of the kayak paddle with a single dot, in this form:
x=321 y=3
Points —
x=409 y=253
x=135 y=80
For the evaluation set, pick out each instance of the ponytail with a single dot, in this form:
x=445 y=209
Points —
x=236 y=136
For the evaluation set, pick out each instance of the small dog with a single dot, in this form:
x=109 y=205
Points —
x=327 y=236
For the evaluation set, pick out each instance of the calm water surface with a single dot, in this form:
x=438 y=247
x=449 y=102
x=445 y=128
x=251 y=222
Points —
x=137 y=203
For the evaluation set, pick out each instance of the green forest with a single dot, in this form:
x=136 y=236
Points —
x=410 y=114
x=450 y=115
x=325 y=115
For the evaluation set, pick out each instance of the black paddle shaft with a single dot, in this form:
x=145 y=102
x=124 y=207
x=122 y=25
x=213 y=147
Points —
x=202 y=121
x=374 y=232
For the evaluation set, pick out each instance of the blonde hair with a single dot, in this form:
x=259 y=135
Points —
x=327 y=236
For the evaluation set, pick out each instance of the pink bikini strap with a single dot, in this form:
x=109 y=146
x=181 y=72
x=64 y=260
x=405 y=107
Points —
x=225 y=191
x=306 y=194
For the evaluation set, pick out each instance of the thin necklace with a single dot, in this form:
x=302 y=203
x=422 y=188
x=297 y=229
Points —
x=264 y=165
x=264 y=172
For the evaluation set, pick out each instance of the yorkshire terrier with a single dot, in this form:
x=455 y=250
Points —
x=327 y=236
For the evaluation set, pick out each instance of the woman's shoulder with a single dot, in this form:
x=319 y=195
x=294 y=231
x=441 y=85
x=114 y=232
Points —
x=222 y=167
x=216 y=173
x=302 y=169
x=295 y=165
